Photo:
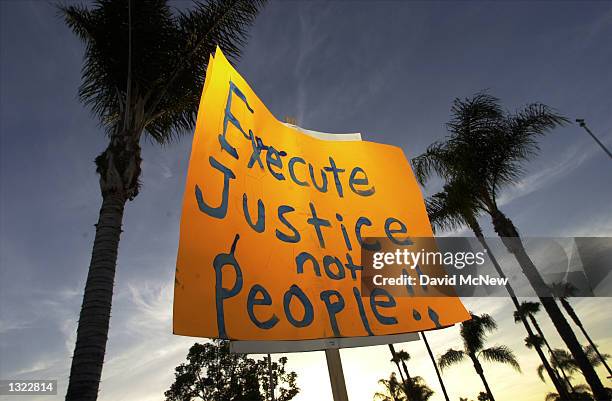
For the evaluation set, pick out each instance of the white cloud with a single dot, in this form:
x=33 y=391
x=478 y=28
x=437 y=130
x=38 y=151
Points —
x=570 y=160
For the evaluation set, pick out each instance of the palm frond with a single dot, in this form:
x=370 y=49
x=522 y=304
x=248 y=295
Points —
x=441 y=216
x=473 y=116
x=78 y=19
x=526 y=309
x=450 y=357
x=486 y=146
x=592 y=356
x=563 y=290
x=453 y=207
x=169 y=57
x=209 y=24
x=436 y=159
x=582 y=388
x=474 y=331
x=563 y=360
x=540 y=370
x=552 y=397
x=403 y=356
x=500 y=354
x=533 y=120
x=534 y=341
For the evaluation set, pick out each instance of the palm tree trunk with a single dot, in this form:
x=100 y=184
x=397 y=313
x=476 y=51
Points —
x=406 y=380
x=433 y=360
x=511 y=239
x=406 y=372
x=570 y=311
x=552 y=354
x=478 y=368
x=92 y=330
x=394 y=356
x=561 y=389
x=409 y=385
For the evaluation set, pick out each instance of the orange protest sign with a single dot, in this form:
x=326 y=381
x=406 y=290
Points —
x=272 y=225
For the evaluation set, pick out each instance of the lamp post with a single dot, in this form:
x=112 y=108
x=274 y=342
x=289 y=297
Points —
x=583 y=125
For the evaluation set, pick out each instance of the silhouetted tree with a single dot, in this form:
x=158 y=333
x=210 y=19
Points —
x=487 y=148
x=563 y=360
x=473 y=333
x=455 y=207
x=529 y=309
x=212 y=373
x=562 y=292
x=143 y=73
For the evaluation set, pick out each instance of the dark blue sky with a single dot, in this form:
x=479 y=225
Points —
x=389 y=70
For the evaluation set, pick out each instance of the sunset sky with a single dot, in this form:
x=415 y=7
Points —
x=388 y=70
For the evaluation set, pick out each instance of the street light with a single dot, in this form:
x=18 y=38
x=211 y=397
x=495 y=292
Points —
x=583 y=125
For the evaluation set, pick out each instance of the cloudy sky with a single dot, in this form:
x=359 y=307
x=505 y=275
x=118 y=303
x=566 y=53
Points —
x=387 y=70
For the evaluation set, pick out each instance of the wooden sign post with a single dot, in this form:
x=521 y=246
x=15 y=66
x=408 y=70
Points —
x=336 y=375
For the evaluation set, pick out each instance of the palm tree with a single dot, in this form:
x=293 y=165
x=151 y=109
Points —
x=473 y=333
x=393 y=390
x=564 y=361
x=455 y=207
x=529 y=309
x=435 y=364
x=143 y=73
x=561 y=359
x=414 y=387
x=395 y=359
x=401 y=357
x=412 y=392
x=538 y=341
x=486 y=149
x=562 y=292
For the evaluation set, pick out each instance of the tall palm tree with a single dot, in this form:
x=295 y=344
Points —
x=414 y=387
x=564 y=360
x=144 y=68
x=413 y=392
x=454 y=207
x=562 y=292
x=474 y=333
x=435 y=364
x=401 y=357
x=529 y=309
x=538 y=341
x=486 y=148
x=396 y=360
